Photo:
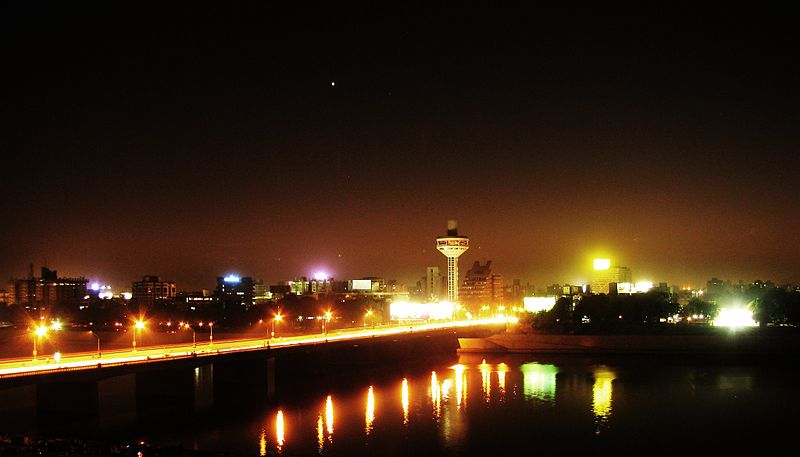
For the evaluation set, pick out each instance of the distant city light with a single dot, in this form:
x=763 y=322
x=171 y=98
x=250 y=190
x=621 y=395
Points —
x=232 y=278
x=95 y=286
x=401 y=310
x=361 y=284
x=127 y=295
x=602 y=264
x=321 y=276
x=537 y=304
x=735 y=317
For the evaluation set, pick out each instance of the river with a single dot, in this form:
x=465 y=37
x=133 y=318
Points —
x=474 y=405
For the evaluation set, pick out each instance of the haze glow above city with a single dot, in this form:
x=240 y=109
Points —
x=194 y=143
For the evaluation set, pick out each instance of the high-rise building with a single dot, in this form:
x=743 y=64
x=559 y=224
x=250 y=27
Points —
x=604 y=275
x=152 y=289
x=235 y=292
x=313 y=286
x=47 y=291
x=452 y=246
x=433 y=284
x=715 y=286
x=481 y=286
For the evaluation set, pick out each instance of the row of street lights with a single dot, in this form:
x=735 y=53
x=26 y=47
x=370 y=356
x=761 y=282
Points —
x=41 y=331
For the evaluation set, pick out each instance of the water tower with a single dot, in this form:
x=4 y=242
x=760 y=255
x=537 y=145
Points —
x=452 y=246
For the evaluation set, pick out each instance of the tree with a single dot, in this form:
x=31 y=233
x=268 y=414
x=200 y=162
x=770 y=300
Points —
x=771 y=307
x=697 y=306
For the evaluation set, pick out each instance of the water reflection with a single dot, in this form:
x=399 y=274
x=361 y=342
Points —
x=539 y=381
x=329 y=417
x=436 y=396
x=369 y=415
x=453 y=425
x=486 y=380
x=502 y=368
x=404 y=399
x=320 y=434
x=461 y=385
x=601 y=396
x=279 y=431
x=558 y=407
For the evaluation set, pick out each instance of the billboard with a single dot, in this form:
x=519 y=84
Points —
x=537 y=304
x=403 y=310
x=361 y=284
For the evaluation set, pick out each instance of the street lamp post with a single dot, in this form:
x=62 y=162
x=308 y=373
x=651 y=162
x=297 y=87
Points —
x=139 y=325
x=211 y=336
x=194 y=335
x=99 y=354
x=326 y=322
x=367 y=315
x=189 y=327
x=38 y=333
x=278 y=318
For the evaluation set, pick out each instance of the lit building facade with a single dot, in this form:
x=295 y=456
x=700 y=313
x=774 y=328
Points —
x=152 y=289
x=235 y=292
x=47 y=291
x=433 y=284
x=481 y=286
x=604 y=275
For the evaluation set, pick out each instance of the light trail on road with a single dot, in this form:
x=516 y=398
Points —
x=152 y=354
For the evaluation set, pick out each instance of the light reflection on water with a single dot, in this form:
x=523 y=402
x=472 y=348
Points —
x=279 y=431
x=457 y=403
x=329 y=417
x=369 y=415
x=602 y=395
x=502 y=368
x=539 y=381
x=404 y=400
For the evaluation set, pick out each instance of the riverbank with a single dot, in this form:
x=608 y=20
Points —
x=729 y=342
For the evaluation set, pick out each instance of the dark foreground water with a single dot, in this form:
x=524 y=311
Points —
x=497 y=405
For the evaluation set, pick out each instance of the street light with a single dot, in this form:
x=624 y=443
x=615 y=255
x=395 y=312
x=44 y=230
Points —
x=211 y=337
x=56 y=326
x=138 y=326
x=38 y=333
x=194 y=335
x=326 y=322
x=368 y=314
x=99 y=354
x=278 y=318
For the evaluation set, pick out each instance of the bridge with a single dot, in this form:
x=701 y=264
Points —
x=68 y=363
x=192 y=376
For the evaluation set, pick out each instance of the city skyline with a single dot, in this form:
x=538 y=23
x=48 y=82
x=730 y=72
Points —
x=190 y=143
x=324 y=274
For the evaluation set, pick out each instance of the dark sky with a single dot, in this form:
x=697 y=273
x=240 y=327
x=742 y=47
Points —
x=192 y=141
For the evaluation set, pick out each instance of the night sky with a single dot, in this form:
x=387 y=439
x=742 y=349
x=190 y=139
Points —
x=192 y=141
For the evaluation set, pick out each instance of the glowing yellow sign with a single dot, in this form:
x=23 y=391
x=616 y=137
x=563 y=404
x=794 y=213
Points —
x=602 y=264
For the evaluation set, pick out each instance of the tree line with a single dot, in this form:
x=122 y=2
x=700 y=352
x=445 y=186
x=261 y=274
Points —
x=656 y=310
